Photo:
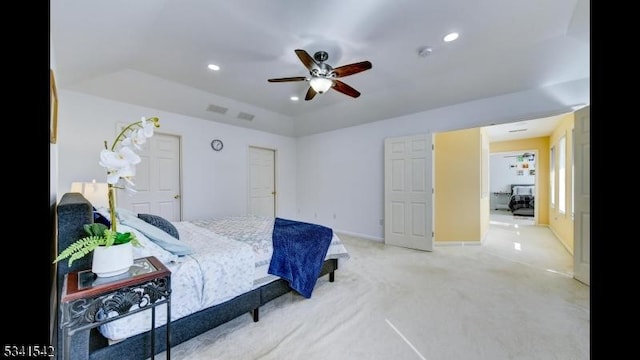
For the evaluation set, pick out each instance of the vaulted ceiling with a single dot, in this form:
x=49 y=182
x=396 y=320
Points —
x=155 y=53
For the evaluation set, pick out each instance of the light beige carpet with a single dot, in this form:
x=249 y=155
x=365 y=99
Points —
x=458 y=302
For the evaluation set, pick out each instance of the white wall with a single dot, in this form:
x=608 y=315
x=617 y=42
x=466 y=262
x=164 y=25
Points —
x=503 y=175
x=214 y=183
x=341 y=172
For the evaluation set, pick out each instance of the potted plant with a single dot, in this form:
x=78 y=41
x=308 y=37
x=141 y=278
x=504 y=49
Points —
x=112 y=250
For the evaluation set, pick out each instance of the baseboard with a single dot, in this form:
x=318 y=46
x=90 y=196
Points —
x=458 y=243
x=368 y=237
x=560 y=241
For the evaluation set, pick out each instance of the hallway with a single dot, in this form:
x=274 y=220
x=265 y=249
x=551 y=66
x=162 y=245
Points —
x=518 y=239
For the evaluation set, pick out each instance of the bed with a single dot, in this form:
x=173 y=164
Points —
x=522 y=200
x=228 y=273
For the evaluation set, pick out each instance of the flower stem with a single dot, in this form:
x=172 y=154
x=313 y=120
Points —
x=121 y=135
x=112 y=206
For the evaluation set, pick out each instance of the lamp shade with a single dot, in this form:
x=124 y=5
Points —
x=320 y=84
x=97 y=193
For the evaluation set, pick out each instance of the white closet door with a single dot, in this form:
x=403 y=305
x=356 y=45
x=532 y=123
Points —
x=262 y=177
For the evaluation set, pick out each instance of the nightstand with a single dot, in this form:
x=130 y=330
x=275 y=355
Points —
x=89 y=301
x=500 y=200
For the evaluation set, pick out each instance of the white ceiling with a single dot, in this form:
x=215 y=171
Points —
x=155 y=53
x=523 y=129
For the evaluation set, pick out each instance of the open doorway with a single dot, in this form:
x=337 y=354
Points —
x=513 y=187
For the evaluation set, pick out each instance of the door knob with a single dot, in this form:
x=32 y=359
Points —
x=273 y=193
x=177 y=196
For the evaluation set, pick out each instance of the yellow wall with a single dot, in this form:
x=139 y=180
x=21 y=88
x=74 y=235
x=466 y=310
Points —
x=457 y=185
x=484 y=190
x=461 y=201
x=541 y=144
x=562 y=224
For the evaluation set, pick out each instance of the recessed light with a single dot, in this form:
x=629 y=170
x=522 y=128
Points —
x=425 y=51
x=214 y=67
x=450 y=37
x=294 y=98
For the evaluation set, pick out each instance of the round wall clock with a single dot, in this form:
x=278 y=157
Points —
x=216 y=144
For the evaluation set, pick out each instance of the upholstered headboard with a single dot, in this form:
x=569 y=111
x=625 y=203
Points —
x=73 y=211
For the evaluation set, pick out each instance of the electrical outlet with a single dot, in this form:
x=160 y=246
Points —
x=334 y=215
x=315 y=215
x=381 y=222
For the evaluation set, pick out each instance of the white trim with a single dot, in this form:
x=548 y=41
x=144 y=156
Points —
x=458 y=243
x=368 y=237
x=560 y=241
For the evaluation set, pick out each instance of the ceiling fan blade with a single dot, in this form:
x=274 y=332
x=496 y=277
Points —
x=346 y=70
x=345 y=89
x=295 y=78
x=310 y=94
x=306 y=59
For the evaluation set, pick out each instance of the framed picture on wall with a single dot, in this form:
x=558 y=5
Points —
x=53 y=118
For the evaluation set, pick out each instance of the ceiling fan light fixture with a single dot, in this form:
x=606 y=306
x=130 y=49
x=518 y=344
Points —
x=320 y=84
x=323 y=76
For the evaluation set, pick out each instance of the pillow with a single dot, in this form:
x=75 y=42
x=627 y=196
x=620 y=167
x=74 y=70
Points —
x=161 y=223
x=154 y=234
x=149 y=248
x=523 y=190
x=98 y=218
x=121 y=212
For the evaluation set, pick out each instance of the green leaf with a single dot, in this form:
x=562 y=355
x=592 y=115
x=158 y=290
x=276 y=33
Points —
x=109 y=237
x=122 y=238
x=95 y=229
x=80 y=248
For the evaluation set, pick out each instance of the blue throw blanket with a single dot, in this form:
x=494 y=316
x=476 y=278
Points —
x=299 y=250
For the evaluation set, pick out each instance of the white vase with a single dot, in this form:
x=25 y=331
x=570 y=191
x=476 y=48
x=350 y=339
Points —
x=112 y=260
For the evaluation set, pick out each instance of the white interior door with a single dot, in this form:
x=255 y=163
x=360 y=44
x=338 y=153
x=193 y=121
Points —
x=157 y=179
x=262 y=180
x=582 y=201
x=408 y=184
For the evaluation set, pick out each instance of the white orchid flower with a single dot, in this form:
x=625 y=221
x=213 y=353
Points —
x=119 y=164
x=136 y=138
x=112 y=160
x=128 y=154
x=127 y=172
x=147 y=127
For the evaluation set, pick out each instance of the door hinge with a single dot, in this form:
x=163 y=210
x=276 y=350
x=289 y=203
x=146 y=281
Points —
x=432 y=234
x=433 y=147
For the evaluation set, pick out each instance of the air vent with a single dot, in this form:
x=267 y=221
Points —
x=217 y=109
x=245 y=116
x=517 y=130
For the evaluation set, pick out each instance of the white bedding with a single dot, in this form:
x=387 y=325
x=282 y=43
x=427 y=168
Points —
x=256 y=231
x=216 y=272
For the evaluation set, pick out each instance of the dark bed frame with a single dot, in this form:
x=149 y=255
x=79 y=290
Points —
x=73 y=212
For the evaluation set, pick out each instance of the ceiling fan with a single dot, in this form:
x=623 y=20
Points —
x=324 y=77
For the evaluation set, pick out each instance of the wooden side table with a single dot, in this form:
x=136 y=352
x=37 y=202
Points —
x=89 y=301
